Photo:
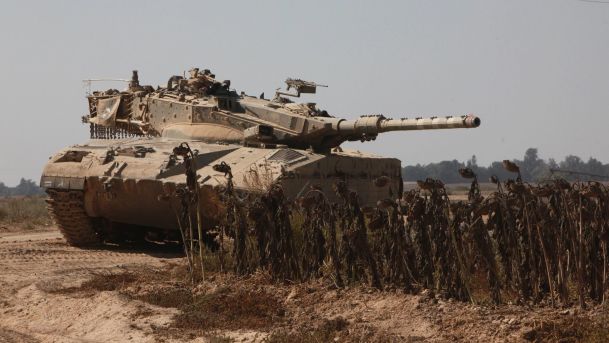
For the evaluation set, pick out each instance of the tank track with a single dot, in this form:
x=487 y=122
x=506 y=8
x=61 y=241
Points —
x=68 y=211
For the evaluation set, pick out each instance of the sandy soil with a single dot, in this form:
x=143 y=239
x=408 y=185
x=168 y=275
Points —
x=32 y=262
x=37 y=267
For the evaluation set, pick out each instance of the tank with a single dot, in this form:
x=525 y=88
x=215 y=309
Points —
x=117 y=183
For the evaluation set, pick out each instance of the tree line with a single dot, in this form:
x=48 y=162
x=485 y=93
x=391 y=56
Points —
x=532 y=168
x=25 y=187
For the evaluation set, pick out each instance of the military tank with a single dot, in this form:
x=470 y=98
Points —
x=117 y=183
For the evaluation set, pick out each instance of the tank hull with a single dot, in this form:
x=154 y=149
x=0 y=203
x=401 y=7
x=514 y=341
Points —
x=131 y=181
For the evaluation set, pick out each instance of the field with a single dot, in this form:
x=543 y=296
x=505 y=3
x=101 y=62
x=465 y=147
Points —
x=23 y=212
x=50 y=291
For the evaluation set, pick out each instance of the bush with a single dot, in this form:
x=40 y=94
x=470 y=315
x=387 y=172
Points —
x=26 y=211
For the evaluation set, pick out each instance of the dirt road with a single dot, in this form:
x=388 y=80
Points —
x=34 y=263
x=42 y=300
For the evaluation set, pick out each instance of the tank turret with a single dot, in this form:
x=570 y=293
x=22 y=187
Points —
x=204 y=109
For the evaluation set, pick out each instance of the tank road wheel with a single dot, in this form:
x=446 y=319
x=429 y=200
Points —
x=68 y=211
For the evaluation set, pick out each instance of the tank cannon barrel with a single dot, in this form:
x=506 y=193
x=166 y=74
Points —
x=451 y=122
x=374 y=124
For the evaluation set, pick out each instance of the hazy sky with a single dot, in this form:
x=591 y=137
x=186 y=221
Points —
x=536 y=72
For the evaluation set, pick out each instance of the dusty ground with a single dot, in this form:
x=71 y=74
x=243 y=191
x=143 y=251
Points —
x=50 y=292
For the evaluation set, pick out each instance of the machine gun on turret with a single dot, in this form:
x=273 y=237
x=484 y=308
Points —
x=301 y=87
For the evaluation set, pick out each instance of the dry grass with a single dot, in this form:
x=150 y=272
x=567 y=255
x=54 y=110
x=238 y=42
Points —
x=98 y=283
x=571 y=329
x=225 y=307
x=330 y=329
x=229 y=308
x=259 y=178
x=176 y=296
x=27 y=212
